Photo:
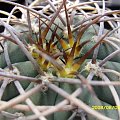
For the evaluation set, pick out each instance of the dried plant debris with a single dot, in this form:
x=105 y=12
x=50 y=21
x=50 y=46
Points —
x=59 y=60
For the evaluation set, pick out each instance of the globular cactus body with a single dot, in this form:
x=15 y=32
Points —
x=53 y=47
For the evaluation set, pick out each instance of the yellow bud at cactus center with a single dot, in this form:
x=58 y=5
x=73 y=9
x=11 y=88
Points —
x=31 y=49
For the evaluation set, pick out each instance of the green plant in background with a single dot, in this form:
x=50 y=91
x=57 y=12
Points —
x=59 y=55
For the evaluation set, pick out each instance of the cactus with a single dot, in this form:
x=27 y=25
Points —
x=53 y=67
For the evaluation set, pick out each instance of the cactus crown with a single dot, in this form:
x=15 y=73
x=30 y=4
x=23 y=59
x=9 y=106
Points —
x=60 y=53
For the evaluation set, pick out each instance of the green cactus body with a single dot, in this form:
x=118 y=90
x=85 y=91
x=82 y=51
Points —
x=58 y=51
